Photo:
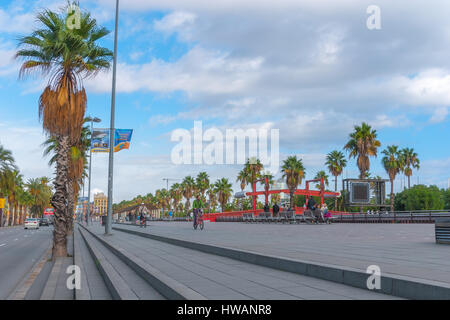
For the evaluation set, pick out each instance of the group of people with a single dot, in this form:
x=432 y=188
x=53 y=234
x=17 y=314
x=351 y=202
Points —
x=317 y=211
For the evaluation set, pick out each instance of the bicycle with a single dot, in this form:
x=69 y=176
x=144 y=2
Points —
x=198 y=221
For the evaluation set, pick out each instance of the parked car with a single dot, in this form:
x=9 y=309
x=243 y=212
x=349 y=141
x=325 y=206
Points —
x=44 y=222
x=32 y=223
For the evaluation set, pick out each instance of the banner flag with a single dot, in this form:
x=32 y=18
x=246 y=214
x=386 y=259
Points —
x=100 y=140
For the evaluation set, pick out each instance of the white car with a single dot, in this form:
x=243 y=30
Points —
x=32 y=223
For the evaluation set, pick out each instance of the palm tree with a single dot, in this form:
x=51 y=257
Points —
x=336 y=163
x=67 y=56
x=188 y=187
x=393 y=164
x=293 y=171
x=243 y=178
x=176 y=195
x=6 y=165
x=363 y=144
x=6 y=160
x=410 y=161
x=202 y=184
x=78 y=166
x=13 y=182
x=212 y=197
x=41 y=194
x=224 y=191
x=253 y=168
x=322 y=174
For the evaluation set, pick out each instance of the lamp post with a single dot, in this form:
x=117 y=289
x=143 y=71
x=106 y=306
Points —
x=88 y=216
x=108 y=224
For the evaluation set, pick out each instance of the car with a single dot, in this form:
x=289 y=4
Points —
x=31 y=223
x=44 y=222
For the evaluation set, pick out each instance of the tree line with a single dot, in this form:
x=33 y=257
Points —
x=362 y=145
x=22 y=198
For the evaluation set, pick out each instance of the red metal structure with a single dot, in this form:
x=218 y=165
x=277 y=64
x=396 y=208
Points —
x=306 y=192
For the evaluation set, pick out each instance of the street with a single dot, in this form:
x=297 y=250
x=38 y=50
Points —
x=20 y=249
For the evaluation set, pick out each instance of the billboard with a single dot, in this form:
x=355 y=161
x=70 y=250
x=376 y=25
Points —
x=100 y=140
x=49 y=211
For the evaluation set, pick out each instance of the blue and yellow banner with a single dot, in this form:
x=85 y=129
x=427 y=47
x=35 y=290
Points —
x=100 y=140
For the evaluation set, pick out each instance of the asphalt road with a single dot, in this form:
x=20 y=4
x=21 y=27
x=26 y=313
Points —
x=20 y=249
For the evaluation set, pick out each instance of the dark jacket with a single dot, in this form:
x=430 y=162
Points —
x=276 y=209
x=311 y=203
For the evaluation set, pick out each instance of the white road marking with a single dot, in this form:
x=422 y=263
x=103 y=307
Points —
x=4 y=244
x=16 y=239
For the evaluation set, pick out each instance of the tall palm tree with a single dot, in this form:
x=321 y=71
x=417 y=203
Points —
x=202 y=184
x=67 y=56
x=253 y=167
x=212 y=197
x=176 y=195
x=363 y=144
x=293 y=171
x=410 y=161
x=7 y=164
x=242 y=178
x=77 y=169
x=393 y=164
x=188 y=187
x=336 y=163
x=322 y=174
x=224 y=191
x=13 y=184
x=41 y=194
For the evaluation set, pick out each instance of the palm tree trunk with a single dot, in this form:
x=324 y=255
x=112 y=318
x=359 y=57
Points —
x=71 y=204
x=409 y=186
x=392 y=195
x=8 y=213
x=291 y=200
x=59 y=199
x=335 y=190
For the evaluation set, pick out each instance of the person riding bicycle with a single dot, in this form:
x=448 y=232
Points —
x=142 y=219
x=197 y=207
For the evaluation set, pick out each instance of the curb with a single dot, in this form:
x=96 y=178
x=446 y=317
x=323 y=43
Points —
x=400 y=286
x=83 y=293
x=118 y=288
x=168 y=287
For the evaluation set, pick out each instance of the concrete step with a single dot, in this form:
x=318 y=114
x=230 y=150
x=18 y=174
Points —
x=122 y=282
x=148 y=278
x=93 y=287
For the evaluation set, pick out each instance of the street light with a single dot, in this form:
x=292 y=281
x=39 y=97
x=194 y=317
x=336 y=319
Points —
x=108 y=224
x=96 y=120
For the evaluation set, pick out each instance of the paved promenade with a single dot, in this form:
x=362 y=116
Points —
x=216 y=277
x=399 y=249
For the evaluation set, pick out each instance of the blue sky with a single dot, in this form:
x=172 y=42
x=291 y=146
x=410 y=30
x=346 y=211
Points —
x=311 y=69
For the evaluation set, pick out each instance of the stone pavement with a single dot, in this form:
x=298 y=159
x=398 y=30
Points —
x=399 y=249
x=221 y=278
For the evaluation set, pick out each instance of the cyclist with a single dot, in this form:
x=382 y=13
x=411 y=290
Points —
x=142 y=216
x=197 y=207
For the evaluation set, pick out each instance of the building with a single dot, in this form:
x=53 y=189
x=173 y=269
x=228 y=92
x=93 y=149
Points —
x=100 y=204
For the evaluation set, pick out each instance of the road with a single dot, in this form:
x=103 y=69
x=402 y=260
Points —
x=20 y=249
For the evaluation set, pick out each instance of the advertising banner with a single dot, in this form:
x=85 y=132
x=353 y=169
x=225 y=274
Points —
x=100 y=140
x=2 y=203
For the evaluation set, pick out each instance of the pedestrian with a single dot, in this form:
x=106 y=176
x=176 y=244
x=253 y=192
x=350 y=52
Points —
x=275 y=209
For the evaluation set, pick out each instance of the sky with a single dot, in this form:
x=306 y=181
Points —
x=310 y=68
